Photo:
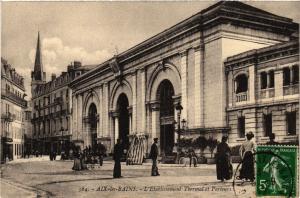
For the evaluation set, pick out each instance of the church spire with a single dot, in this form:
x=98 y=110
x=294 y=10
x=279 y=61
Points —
x=38 y=65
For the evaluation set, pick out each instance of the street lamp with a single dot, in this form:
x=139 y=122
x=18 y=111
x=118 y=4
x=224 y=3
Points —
x=61 y=141
x=178 y=108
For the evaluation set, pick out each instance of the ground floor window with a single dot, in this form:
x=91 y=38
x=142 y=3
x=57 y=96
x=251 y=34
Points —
x=291 y=123
x=241 y=127
x=268 y=124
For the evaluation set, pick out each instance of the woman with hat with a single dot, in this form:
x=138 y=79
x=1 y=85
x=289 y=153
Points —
x=224 y=167
x=246 y=152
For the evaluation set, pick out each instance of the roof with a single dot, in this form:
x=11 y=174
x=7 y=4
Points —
x=235 y=12
x=290 y=45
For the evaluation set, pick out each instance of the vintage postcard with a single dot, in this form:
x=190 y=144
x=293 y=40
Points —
x=149 y=99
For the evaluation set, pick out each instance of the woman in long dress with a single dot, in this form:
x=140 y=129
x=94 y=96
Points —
x=77 y=161
x=223 y=160
x=246 y=152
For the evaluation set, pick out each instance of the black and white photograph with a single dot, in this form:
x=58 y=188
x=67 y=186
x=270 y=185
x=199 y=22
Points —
x=146 y=99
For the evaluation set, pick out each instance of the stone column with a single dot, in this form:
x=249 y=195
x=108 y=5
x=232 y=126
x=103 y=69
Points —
x=143 y=105
x=105 y=106
x=251 y=84
x=278 y=83
x=198 y=108
x=115 y=116
x=100 y=113
x=134 y=101
x=184 y=79
x=155 y=119
x=130 y=120
x=79 y=117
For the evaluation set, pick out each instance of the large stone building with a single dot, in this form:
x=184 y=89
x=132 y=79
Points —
x=138 y=90
x=13 y=105
x=51 y=105
x=263 y=93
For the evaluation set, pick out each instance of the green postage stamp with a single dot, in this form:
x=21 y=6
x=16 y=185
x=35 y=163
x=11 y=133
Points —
x=276 y=170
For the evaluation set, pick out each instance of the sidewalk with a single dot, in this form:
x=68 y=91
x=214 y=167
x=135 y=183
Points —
x=31 y=159
x=9 y=189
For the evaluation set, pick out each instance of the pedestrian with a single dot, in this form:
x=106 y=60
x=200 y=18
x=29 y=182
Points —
x=153 y=155
x=223 y=162
x=77 y=160
x=102 y=151
x=118 y=152
x=246 y=152
x=271 y=140
x=54 y=155
x=192 y=156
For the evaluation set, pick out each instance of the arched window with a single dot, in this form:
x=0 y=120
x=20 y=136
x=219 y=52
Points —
x=271 y=80
x=295 y=70
x=263 y=80
x=286 y=76
x=93 y=116
x=241 y=83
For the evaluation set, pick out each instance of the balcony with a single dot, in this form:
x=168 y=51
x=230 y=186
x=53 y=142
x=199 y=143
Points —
x=8 y=95
x=291 y=89
x=267 y=93
x=241 y=97
x=8 y=117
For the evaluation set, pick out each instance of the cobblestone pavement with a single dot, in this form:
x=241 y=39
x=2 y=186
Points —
x=45 y=178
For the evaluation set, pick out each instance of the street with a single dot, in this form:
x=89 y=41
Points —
x=46 y=178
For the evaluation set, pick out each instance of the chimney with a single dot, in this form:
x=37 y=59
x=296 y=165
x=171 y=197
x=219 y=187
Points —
x=77 y=64
x=53 y=76
x=70 y=67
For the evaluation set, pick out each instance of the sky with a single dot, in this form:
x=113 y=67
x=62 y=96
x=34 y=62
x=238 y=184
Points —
x=92 y=32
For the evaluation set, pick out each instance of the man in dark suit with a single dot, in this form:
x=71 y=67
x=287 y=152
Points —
x=153 y=155
x=118 y=152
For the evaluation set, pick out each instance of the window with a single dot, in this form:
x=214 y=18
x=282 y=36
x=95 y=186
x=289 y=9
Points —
x=286 y=76
x=271 y=79
x=291 y=123
x=241 y=83
x=263 y=80
x=241 y=127
x=295 y=70
x=267 y=124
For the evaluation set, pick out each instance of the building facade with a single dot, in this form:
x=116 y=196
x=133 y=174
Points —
x=51 y=106
x=139 y=91
x=13 y=105
x=263 y=93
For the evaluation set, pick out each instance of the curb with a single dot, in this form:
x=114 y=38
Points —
x=30 y=190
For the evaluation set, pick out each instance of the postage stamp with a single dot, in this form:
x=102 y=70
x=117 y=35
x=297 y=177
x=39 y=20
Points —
x=276 y=170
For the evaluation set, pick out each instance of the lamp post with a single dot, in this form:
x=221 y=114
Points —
x=178 y=108
x=61 y=141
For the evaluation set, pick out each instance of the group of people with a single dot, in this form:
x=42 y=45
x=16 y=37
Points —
x=88 y=155
x=118 y=153
x=246 y=151
x=223 y=159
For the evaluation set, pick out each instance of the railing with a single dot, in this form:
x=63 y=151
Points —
x=9 y=117
x=241 y=97
x=267 y=93
x=291 y=89
x=271 y=92
x=13 y=97
x=263 y=93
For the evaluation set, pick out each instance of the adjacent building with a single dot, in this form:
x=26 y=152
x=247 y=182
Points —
x=13 y=105
x=263 y=93
x=51 y=106
x=180 y=75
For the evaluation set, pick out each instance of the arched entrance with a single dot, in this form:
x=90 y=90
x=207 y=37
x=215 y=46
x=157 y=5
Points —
x=92 y=120
x=164 y=94
x=122 y=106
